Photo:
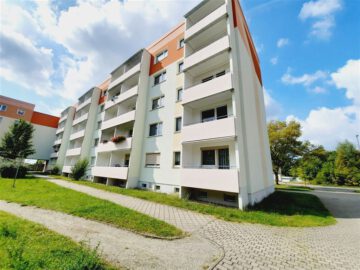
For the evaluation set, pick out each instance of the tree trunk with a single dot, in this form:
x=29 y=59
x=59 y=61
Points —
x=276 y=177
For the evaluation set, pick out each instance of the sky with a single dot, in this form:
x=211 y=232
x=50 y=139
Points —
x=53 y=51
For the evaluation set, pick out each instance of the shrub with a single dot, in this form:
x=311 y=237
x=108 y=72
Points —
x=79 y=169
x=118 y=139
x=9 y=171
x=55 y=170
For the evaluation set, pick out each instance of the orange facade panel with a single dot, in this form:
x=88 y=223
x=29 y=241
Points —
x=240 y=23
x=104 y=86
x=169 y=42
x=16 y=109
x=43 y=119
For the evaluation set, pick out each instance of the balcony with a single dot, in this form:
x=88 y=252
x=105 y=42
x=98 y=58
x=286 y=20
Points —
x=217 y=129
x=206 y=22
x=66 y=169
x=216 y=48
x=59 y=130
x=73 y=152
x=122 y=97
x=211 y=179
x=54 y=155
x=84 y=104
x=110 y=172
x=77 y=135
x=213 y=88
x=110 y=146
x=132 y=71
x=63 y=118
x=118 y=120
x=57 y=142
x=80 y=119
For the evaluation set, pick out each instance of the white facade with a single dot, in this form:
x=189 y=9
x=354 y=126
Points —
x=211 y=145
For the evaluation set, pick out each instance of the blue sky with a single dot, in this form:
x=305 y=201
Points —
x=51 y=52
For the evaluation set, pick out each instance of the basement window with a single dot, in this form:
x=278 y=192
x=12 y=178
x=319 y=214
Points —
x=229 y=198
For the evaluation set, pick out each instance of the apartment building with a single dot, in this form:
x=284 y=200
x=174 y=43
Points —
x=184 y=115
x=45 y=125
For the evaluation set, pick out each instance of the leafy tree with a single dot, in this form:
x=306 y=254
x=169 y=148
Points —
x=17 y=141
x=311 y=162
x=347 y=164
x=285 y=146
x=79 y=169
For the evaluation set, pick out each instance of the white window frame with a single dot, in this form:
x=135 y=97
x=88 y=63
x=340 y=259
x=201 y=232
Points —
x=20 y=112
x=161 y=102
x=158 y=130
x=181 y=41
x=177 y=94
x=180 y=127
x=161 y=56
x=157 y=165
x=3 y=108
x=174 y=156
x=182 y=69
x=162 y=77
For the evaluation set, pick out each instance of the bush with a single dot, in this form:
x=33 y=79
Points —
x=9 y=171
x=79 y=169
x=55 y=170
x=118 y=139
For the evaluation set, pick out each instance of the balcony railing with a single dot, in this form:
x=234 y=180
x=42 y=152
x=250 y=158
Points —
x=58 y=141
x=59 y=130
x=125 y=76
x=118 y=120
x=77 y=135
x=217 y=129
x=215 y=48
x=122 y=97
x=211 y=179
x=110 y=146
x=83 y=104
x=209 y=88
x=80 y=119
x=54 y=154
x=66 y=169
x=110 y=172
x=73 y=152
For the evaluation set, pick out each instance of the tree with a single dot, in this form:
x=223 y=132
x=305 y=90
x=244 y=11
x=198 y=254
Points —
x=17 y=141
x=311 y=161
x=347 y=164
x=285 y=146
x=79 y=169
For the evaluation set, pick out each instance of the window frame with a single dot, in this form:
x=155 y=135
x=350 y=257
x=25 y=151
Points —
x=181 y=43
x=3 y=107
x=161 y=54
x=178 y=128
x=161 y=103
x=177 y=94
x=162 y=78
x=157 y=129
x=148 y=165
x=20 y=112
x=215 y=110
x=202 y=156
x=174 y=161
x=181 y=70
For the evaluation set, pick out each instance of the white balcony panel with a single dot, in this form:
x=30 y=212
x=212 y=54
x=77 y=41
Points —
x=73 y=152
x=59 y=130
x=210 y=88
x=211 y=50
x=223 y=128
x=125 y=76
x=66 y=169
x=207 y=21
x=57 y=142
x=212 y=179
x=121 y=119
x=77 y=135
x=54 y=155
x=123 y=96
x=101 y=116
x=110 y=146
x=111 y=172
x=80 y=119
x=63 y=118
x=85 y=103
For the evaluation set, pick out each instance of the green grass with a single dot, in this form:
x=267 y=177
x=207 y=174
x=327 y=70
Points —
x=293 y=188
x=47 y=195
x=25 y=245
x=279 y=209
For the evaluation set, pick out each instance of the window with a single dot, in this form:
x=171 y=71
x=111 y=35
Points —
x=161 y=56
x=207 y=79
x=160 y=78
x=208 y=157
x=203 y=195
x=214 y=114
x=178 y=122
x=152 y=160
x=208 y=115
x=3 y=108
x=157 y=187
x=155 y=129
x=180 y=67
x=221 y=73
x=96 y=142
x=143 y=185
x=157 y=103
x=20 y=112
x=230 y=198
x=181 y=43
x=221 y=112
x=130 y=133
x=177 y=158
x=179 y=94
x=127 y=160
x=177 y=190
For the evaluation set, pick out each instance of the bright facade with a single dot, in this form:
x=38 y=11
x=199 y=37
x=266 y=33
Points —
x=188 y=112
x=44 y=125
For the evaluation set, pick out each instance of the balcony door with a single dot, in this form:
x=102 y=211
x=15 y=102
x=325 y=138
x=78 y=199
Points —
x=223 y=156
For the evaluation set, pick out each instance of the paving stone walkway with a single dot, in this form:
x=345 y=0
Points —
x=252 y=246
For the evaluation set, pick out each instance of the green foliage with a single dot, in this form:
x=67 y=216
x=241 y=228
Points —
x=17 y=141
x=25 y=245
x=55 y=170
x=285 y=146
x=347 y=164
x=79 y=169
x=9 y=171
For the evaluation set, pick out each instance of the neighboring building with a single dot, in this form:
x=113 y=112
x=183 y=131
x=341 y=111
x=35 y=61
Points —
x=187 y=114
x=44 y=125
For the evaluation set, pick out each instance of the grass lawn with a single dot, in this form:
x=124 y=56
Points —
x=293 y=188
x=279 y=209
x=47 y=195
x=27 y=245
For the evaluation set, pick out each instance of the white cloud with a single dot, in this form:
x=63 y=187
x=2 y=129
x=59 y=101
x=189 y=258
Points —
x=348 y=78
x=318 y=90
x=272 y=107
x=322 y=13
x=305 y=79
x=282 y=42
x=328 y=126
x=274 y=60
